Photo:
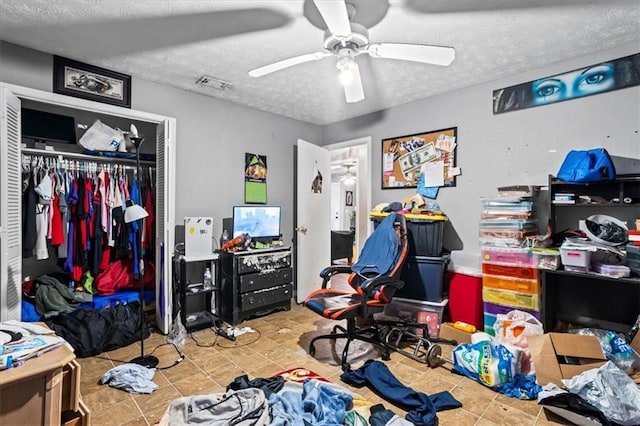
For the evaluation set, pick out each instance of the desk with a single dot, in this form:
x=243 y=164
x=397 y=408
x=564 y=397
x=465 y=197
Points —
x=37 y=392
x=589 y=300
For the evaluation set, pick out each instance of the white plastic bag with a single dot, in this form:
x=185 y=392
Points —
x=611 y=391
x=100 y=137
x=513 y=328
x=178 y=334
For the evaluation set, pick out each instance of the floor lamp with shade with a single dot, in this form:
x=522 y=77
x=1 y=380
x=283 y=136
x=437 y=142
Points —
x=134 y=213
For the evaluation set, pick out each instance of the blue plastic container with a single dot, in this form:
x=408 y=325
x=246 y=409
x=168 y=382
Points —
x=424 y=278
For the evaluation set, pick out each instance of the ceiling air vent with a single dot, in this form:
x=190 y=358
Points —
x=213 y=82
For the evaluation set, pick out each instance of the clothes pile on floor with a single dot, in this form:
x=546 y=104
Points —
x=310 y=399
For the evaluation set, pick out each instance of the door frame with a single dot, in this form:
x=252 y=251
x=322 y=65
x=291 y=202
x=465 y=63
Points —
x=363 y=186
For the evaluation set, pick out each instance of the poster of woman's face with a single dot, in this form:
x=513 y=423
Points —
x=600 y=78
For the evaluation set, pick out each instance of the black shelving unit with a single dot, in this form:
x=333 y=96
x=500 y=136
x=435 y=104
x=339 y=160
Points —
x=567 y=216
x=197 y=311
x=588 y=299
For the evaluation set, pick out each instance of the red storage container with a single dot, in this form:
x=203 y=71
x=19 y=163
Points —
x=465 y=298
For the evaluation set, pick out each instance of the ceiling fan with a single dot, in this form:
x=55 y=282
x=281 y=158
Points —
x=348 y=177
x=346 y=39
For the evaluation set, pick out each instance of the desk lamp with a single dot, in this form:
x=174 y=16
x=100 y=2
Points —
x=135 y=213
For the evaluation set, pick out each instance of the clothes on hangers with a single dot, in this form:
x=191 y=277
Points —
x=78 y=208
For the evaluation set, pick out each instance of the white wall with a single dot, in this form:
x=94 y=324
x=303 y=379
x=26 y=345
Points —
x=506 y=149
x=212 y=138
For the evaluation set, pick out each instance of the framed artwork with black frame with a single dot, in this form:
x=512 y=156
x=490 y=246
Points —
x=406 y=158
x=348 y=198
x=86 y=81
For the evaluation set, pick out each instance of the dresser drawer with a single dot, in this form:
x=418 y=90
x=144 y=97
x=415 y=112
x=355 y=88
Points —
x=266 y=279
x=71 y=386
x=257 y=299
x=263 y=261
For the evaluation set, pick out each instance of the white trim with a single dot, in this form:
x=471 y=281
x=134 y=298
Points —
x=76 y=103
x=363 y=184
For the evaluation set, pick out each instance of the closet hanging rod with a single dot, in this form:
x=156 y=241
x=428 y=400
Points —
x=78 y=156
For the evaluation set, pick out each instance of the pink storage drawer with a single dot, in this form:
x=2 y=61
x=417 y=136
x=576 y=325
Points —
x=509 y=256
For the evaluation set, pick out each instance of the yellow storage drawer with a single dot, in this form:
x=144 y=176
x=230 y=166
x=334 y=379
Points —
x=511 y=284
x=511 y=298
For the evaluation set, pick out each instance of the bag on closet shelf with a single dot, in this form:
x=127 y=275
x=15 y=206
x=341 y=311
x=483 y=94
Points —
x=592 y=165
x=100 y=137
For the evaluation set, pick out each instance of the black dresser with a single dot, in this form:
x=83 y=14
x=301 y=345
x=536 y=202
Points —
x=255 y=283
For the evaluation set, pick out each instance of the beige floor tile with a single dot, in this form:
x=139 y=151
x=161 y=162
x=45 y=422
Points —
x=485 y=422
x=94 y=366
x=194 y=385
x=457 y=417
x=185 y=369
x=104 y=398
x=161 y=398
x=138 y=421
x=116 y=414
x=528 y=406
x=471 y=401
x=154 y=415
x=89 y=385
x=503 y=414
x=548 y=418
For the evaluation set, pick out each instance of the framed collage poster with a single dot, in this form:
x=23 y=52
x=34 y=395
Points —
x=406 y=158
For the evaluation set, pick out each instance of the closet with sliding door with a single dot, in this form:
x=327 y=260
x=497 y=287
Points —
x=25 y=159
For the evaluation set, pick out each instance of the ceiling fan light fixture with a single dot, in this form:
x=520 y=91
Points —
x=347 y=67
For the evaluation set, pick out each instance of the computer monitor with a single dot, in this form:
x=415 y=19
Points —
x=262 y=223
x=48 y=127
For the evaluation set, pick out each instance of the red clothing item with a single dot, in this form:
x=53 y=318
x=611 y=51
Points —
x=57 y=231
x=119 y=276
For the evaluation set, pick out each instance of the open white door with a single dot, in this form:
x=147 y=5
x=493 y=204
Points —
x=312 y=241
x=10 y=207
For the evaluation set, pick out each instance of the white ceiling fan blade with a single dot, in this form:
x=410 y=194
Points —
x=335 y=16
x=353 y=91
x=437 y=55
x=296 y=60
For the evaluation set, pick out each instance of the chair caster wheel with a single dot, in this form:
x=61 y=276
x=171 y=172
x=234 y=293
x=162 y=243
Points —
x=312 y=351
x=386 y=356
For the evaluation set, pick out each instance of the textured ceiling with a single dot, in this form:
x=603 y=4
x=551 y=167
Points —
x=176 y=42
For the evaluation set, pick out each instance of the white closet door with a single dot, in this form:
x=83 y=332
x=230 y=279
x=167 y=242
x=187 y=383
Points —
x=165 y=224
x=10 y=208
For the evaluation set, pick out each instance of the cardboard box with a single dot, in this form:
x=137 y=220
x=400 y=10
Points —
x=635 y=343
x=447 y=331
x=558 y=356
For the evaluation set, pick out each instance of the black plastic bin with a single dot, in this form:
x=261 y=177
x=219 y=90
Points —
x=424 y=233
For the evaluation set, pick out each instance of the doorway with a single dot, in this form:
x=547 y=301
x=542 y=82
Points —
x=351 y=189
